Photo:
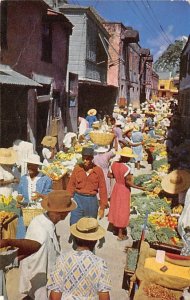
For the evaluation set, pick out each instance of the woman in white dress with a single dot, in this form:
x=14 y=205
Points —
x=48 y=151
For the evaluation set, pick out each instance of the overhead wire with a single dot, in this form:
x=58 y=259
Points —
x=156 y=18
x=150 y=25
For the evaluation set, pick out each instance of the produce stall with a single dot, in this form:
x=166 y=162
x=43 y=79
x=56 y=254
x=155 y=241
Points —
x=161 y=279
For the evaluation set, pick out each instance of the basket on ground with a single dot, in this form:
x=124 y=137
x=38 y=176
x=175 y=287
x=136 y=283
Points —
x=30 y=213
x=101 y=138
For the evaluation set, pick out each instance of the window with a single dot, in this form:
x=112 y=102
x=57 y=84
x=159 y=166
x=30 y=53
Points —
x=162 y=87
x=47 y=42
x=3 y=25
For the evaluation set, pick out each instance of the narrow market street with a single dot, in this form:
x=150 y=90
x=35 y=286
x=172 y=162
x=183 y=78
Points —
x=94 y=150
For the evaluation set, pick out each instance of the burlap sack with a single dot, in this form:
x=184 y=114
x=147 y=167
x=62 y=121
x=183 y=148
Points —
x=142 y=273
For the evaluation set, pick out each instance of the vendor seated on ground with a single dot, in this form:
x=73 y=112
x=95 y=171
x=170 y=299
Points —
x=48 y=151
x=80 y=274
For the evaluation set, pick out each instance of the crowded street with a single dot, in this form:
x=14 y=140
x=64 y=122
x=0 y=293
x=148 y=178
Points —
x=94 y=150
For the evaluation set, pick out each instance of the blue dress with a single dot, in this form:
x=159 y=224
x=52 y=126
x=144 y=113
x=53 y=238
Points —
x=137 y=137
x=43 y=186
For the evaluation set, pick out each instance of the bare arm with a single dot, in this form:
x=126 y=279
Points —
x=25 y=247
x=55 y=295
x=103 y=296
x=6 y=182
x=129 y=183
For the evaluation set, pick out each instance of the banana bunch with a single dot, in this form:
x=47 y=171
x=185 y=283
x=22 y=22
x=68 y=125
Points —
x=64 y=156
x=6 y=200
x=78 y=148
x=163 y=153
x=177 y=209
x=164 y=168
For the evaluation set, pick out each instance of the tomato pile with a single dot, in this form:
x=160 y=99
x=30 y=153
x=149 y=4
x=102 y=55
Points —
x=163 y=220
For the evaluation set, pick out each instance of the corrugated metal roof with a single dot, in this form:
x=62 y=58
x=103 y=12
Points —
x=9 y=76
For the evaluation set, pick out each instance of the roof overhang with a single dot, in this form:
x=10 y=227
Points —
x=52 y=16
x=131 y=36
x=10 y=77
x=144 y=52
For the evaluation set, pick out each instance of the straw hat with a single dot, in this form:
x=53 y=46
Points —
x=8 y=156
x=88 y=229
x=33 y=159
x=58 y=201
x=175 y=182
x=49 y=141
x=92 y=112
x=136 y=127
x=127 y=152
x=102 y=149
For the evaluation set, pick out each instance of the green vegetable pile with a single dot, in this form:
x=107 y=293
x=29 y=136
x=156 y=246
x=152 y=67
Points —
x=143 y=204
x=158 y=163
x=153 y=233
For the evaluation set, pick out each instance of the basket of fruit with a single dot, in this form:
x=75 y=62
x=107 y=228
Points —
x=102 y=138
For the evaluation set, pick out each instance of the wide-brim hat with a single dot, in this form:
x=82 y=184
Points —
x=58 y=201
x=176 y=182
x=102 y=149
x=8 y=156
x=33 y=159
x=127 y=152
x=49 y=141
x=88 y=229
x=92 y=112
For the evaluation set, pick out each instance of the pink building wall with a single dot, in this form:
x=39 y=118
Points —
x=114 y=30
x=25 y=42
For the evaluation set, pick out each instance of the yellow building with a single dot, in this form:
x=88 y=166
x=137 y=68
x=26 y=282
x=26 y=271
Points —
x=167 y=86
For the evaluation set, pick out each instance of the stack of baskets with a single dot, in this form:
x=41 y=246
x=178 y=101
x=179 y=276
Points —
x=29 y=213
x=101 y=138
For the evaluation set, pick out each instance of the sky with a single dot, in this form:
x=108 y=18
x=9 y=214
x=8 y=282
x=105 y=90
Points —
x=159 y=22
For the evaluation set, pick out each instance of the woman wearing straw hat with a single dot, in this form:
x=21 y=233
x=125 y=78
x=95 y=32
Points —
x=91 y=116
x=120 y=198
x=7 y=160
x=80 y=274
x=48 y=151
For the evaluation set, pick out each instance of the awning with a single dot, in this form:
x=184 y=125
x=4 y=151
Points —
x=11 y=77
x=42 y=78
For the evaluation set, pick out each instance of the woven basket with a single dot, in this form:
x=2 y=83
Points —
x=30 y=213
x=101 y=138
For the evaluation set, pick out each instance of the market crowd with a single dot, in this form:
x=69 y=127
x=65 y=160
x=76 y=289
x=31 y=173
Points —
x=100 y=161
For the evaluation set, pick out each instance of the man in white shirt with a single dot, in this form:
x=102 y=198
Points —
x=35 y=268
